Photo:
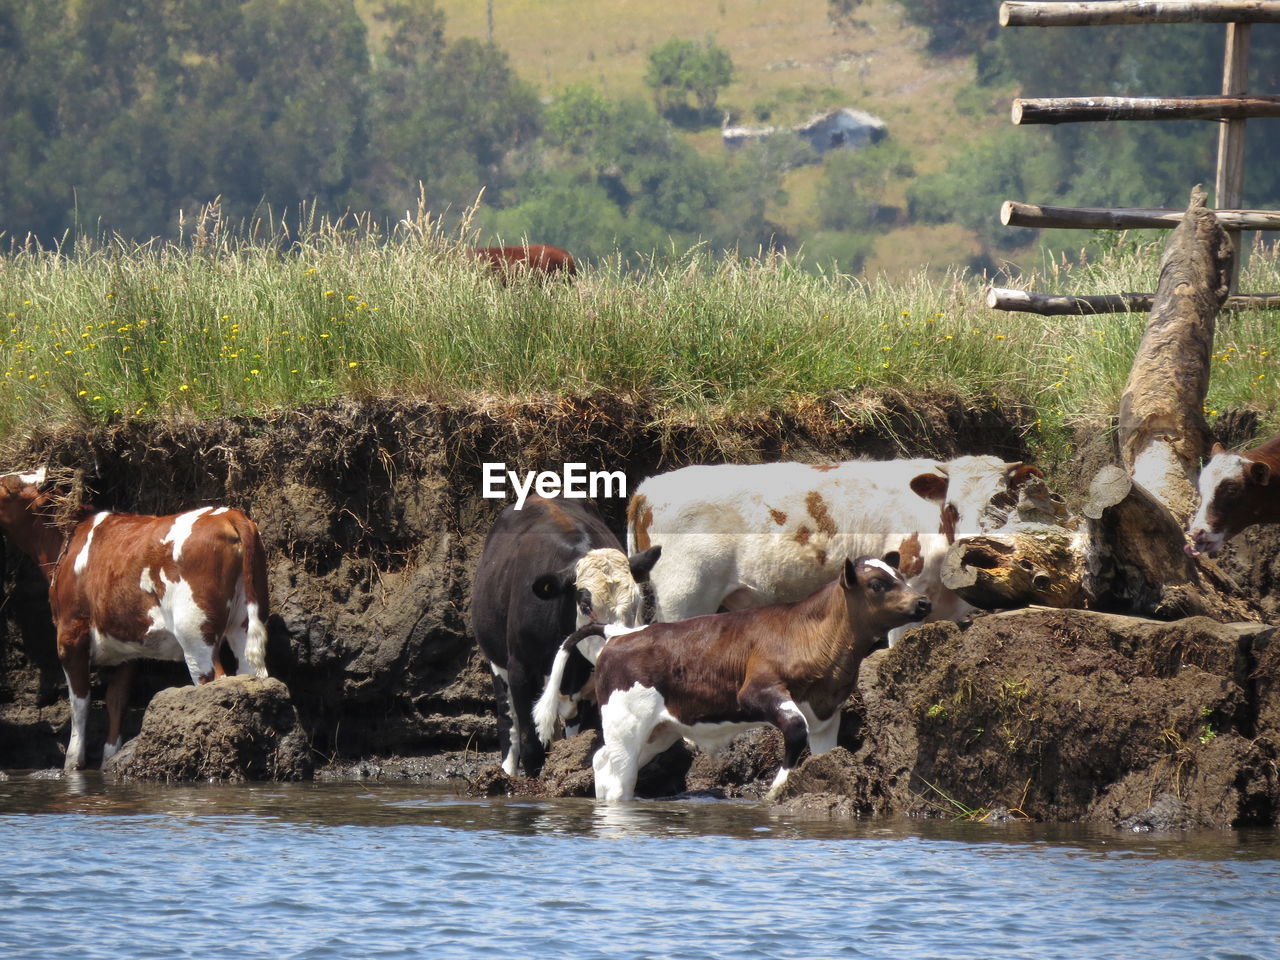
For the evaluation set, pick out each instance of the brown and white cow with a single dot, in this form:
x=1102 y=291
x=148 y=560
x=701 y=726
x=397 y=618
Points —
x=739 y=536
x=710 y=678
x=532 y=259
x=1237 y=490
x=125 y=586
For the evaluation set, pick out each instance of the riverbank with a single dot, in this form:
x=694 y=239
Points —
x=373 y=520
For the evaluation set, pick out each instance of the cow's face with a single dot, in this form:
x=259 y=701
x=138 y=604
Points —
x=974 y=494
x=1228 y=484
x=608 y=587
x=874 y=589
x=20 y=494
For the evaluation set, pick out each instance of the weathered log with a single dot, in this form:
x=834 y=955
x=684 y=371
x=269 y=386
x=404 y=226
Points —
x=1016 y=214
x=1162 y=432
x=1082 y=109
x=1061 y=305
x=1014 y=13
x=1123 y=555
x=1018 y=564
x=1135 y=549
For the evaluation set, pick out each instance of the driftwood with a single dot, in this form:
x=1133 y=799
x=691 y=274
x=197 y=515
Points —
x=1034 y=558
x=1125 y=552
x=1162 y=431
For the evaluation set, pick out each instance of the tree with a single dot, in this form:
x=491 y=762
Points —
x=682 y=68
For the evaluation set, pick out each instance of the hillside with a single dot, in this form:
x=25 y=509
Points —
x=790 y=61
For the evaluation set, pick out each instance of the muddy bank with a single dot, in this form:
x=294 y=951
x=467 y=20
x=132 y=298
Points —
x=373 y=520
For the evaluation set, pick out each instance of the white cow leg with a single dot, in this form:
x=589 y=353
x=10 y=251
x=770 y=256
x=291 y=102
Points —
x=627 y=721
x=79 y=725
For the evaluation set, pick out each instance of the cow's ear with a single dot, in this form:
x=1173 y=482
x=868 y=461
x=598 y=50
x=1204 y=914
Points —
x=641 y=563
x=551 y=585
x=1217 y=449
x=1259 y=473
x=893 y=559
x=930 y=486
x=848 y=575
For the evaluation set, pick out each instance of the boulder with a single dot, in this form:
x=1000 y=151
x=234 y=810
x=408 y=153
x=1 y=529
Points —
x=235 y=729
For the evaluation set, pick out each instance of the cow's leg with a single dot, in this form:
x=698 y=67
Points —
x=117 y=702
x=627 y=722
x=771 y=702
x=73 y=653
x=822 y=733
x=506 y=719
x=524 y=736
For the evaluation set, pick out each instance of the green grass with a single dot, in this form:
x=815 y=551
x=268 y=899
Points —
x=233 y=323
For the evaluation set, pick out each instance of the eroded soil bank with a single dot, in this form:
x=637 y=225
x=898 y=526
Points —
x=373 y=519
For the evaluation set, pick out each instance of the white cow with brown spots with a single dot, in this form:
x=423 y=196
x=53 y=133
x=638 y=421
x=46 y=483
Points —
x=124 y=587
x=740 y=536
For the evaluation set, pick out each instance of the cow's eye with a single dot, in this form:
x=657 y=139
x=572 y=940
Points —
x=878 y=586
x=584 y=601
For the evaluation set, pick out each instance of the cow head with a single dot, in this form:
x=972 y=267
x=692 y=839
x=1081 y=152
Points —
x=609 y=587
x=974 y=494
x=1231 y=485
x=20 y=495
x=878 y=595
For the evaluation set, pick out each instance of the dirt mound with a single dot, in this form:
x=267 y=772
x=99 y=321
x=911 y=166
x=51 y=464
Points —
x=236 y=728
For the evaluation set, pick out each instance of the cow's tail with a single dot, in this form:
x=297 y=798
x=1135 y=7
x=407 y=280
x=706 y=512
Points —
x=256 y=604
x=553 y=704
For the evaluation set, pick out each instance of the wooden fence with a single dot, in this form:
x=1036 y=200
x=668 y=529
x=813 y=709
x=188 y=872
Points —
x=1232 y=108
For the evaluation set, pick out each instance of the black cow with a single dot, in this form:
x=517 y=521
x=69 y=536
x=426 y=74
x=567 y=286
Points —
x=546 y=569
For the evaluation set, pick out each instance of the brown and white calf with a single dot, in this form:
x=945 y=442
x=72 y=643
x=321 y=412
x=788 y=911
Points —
x=125 y=586
x=740 y=536
x=710 y=678
x=1237 y=490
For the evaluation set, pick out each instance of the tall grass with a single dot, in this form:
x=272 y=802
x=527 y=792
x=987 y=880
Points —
x=238 y=321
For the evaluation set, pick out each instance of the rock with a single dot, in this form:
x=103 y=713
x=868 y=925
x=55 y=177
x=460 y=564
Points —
x=1167 y=813
x=236 y=728
x=567 y=771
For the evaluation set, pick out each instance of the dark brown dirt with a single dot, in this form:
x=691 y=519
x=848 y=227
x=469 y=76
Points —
x=235 y=729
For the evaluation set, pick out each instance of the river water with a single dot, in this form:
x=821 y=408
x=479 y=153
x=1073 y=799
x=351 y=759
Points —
x=91 y=869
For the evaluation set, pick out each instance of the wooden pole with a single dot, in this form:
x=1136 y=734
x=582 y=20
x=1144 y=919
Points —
x=1080 y=109
x=1085 y=14
x=1057 y=305
x=1161 y=429
x=1016 y=214
x=1229 y=183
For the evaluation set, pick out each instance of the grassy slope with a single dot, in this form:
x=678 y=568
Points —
x=786 y=55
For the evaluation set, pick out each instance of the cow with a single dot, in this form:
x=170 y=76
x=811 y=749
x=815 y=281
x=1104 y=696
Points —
x=707 y=679
x=125 y=586
x=531 y=259
x=1237 y=490
x=546 y=569
x=740 y=536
